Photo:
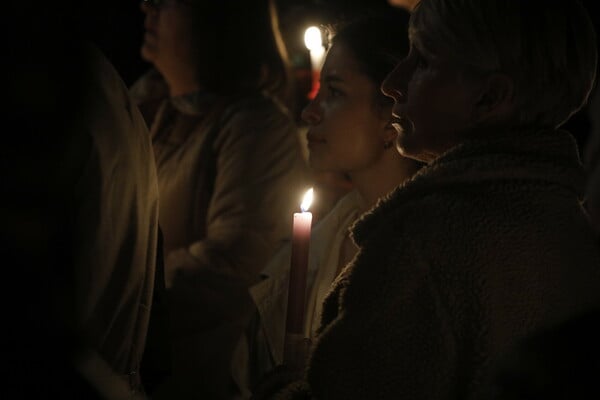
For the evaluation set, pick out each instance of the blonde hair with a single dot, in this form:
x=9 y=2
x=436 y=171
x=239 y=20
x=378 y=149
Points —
x=547 y=47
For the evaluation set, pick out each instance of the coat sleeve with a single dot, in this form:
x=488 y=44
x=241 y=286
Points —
x=389 y=338
x=260 y=175
x=259 y=169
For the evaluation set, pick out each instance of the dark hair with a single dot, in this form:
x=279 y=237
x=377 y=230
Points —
x=378 y=43
x=240 y=46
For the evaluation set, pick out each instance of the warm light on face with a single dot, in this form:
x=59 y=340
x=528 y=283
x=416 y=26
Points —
x=307 y=201
x=312 y=38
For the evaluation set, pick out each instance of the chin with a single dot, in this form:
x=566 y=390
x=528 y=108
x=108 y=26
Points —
x=148 y=52
x=403 y=145
x=409 y=150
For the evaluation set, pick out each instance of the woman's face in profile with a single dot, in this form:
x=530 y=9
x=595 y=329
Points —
x=346 y=130
x=168 y=36
x=433 y=106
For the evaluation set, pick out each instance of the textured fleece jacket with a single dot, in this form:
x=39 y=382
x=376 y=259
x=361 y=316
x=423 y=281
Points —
x=486 y=245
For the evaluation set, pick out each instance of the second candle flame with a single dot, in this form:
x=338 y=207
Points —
x=307 y=200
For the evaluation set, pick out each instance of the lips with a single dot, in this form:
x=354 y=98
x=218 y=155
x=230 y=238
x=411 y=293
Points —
x=402 y=125
x=398 y=127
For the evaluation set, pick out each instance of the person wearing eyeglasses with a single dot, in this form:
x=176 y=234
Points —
x=230 y=167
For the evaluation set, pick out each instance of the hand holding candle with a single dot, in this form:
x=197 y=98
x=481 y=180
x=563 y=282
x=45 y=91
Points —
x=297 y=285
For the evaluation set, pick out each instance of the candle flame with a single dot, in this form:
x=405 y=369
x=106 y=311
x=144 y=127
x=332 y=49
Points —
x=312 y=38
x=307 y=200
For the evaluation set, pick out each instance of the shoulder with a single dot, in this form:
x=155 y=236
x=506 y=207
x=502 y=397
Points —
x=151 y=86
x=103 y=82
x=257 y=124
x=257 y=110
x=337 y=218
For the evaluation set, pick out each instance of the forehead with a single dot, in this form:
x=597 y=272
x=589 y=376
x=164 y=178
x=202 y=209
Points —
x=340 y=60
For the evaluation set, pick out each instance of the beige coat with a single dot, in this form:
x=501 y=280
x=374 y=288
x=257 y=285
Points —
x=226 y=202
x=231 y=173
x=115 y=220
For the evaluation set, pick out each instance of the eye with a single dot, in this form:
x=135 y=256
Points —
x=334 y=92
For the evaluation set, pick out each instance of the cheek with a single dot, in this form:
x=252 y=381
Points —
x=428 y=106
x=174 y=32
x=360 y=146
x=334 y=122
x=350 y=130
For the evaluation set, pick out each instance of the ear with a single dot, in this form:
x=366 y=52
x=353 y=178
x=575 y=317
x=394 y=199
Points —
x=495 y=100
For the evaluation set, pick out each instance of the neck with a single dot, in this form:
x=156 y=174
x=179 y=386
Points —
x=378 y=181
x=180 y=89
x=182 y=82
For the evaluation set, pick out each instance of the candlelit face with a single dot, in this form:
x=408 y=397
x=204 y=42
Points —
x=433 y=106
x=347 y=129
x=167 y=39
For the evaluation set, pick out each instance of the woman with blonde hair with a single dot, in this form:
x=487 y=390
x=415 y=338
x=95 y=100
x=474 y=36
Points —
x=489 y=242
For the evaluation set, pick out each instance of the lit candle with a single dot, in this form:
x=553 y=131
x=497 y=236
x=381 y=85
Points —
x=299 y=266
x=314 y=44
x=295 y=344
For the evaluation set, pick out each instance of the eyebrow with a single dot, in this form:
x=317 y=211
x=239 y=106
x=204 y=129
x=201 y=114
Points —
x=332 y=78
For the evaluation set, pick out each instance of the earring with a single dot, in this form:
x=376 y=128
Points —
x=387 y=145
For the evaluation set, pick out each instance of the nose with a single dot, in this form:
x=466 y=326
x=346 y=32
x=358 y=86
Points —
x=311 y=114
x=395 y=85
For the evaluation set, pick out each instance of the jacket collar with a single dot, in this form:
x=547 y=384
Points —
x=542 y=156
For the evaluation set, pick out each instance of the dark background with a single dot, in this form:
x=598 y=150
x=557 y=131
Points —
x=116 y=26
